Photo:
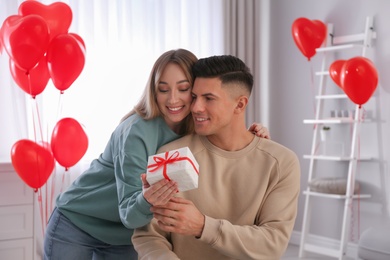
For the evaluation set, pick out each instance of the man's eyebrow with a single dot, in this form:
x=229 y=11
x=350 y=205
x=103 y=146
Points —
x=204 y=94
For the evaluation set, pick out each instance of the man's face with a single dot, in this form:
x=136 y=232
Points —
x=212 y=107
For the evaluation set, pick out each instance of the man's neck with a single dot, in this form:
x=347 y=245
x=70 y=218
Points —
x=232 y=142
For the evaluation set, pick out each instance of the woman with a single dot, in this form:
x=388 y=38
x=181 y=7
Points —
x=95 y=217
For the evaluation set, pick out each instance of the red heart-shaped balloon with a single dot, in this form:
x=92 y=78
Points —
x=65 y=59
x=69 y=142
x=359 y=79
x=58 y=15
x=33 y=82
x=1 y=40
x=335 y=71
x=308 y=35
x=33 y=163
x=25 y=39
x=79 y=39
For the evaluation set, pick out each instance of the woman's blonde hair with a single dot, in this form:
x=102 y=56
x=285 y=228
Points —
x=147 y=107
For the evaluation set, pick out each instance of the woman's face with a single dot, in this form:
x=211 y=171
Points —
x=174 y=96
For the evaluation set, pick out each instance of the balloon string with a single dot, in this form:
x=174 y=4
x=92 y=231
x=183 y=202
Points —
x=35 y=135
x=53 y=188
x=358 y=202
x=313 y=93
x=36 y=152
x=354 y=223
x=63 y=180
x=41 y=210
x=363 y=115
x=46 y=204
x=313 y=88
x=33 y=119
x=39 y=121
x=29 y=83
x=60 y=106
x=36 y=120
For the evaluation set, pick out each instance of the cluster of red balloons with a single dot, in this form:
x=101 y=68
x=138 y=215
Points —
x=308 y=35
x=40 y=47
x=34 y=162
x=357 y=77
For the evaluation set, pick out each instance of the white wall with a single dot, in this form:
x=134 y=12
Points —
x=292 y=100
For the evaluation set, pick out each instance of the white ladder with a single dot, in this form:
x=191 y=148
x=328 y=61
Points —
x=334 y=44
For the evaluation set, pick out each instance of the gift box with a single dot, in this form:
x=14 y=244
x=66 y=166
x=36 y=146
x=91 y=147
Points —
x=178 y=165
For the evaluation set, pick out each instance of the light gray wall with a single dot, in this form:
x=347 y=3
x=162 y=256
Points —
x=292 y=99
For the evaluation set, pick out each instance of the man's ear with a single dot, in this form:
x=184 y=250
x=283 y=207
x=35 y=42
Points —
x=242 y=102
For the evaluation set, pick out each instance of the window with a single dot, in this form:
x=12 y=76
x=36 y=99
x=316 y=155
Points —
x=123 y=39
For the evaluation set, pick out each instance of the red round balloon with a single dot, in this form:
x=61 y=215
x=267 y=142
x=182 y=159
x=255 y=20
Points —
x=33 y=82
x=25 y=39
x=33 y=163
x=69 y=142
x=308 y=35
x=335 y=71
x=359 y=79
x=58 y=15
x=66 y=59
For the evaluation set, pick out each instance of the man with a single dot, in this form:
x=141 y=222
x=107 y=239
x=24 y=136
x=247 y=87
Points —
x=246 y=202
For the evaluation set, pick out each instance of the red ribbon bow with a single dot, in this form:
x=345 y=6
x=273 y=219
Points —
x=162 y=162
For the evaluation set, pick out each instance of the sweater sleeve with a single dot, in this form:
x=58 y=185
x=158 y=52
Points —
x=268 y=237
x=152 y=243
x=134 y=145
x=129 y=163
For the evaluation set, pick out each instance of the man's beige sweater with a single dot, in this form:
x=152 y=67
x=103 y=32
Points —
x=249 y=198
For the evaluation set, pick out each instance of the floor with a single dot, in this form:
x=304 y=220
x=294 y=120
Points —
x=292 y=253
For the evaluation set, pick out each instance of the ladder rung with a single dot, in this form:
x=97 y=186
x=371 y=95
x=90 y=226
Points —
x=352 y=38
x=336 y=158
x=319 y=73
x=339 y=120
x=341 y=96
x=338 y=47
x=321 y=250
x=335 y=196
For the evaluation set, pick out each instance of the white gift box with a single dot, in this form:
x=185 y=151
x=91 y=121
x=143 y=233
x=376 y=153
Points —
x=178 y=165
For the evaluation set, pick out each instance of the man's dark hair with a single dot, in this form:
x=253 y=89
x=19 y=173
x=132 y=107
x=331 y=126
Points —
x=228 y=68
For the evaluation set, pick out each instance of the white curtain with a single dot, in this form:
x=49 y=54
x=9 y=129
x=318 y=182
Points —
x=123 y=38
x=13 y=105
x=246 y=34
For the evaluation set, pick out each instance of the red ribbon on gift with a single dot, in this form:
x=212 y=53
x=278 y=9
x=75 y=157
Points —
x=163 y=162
